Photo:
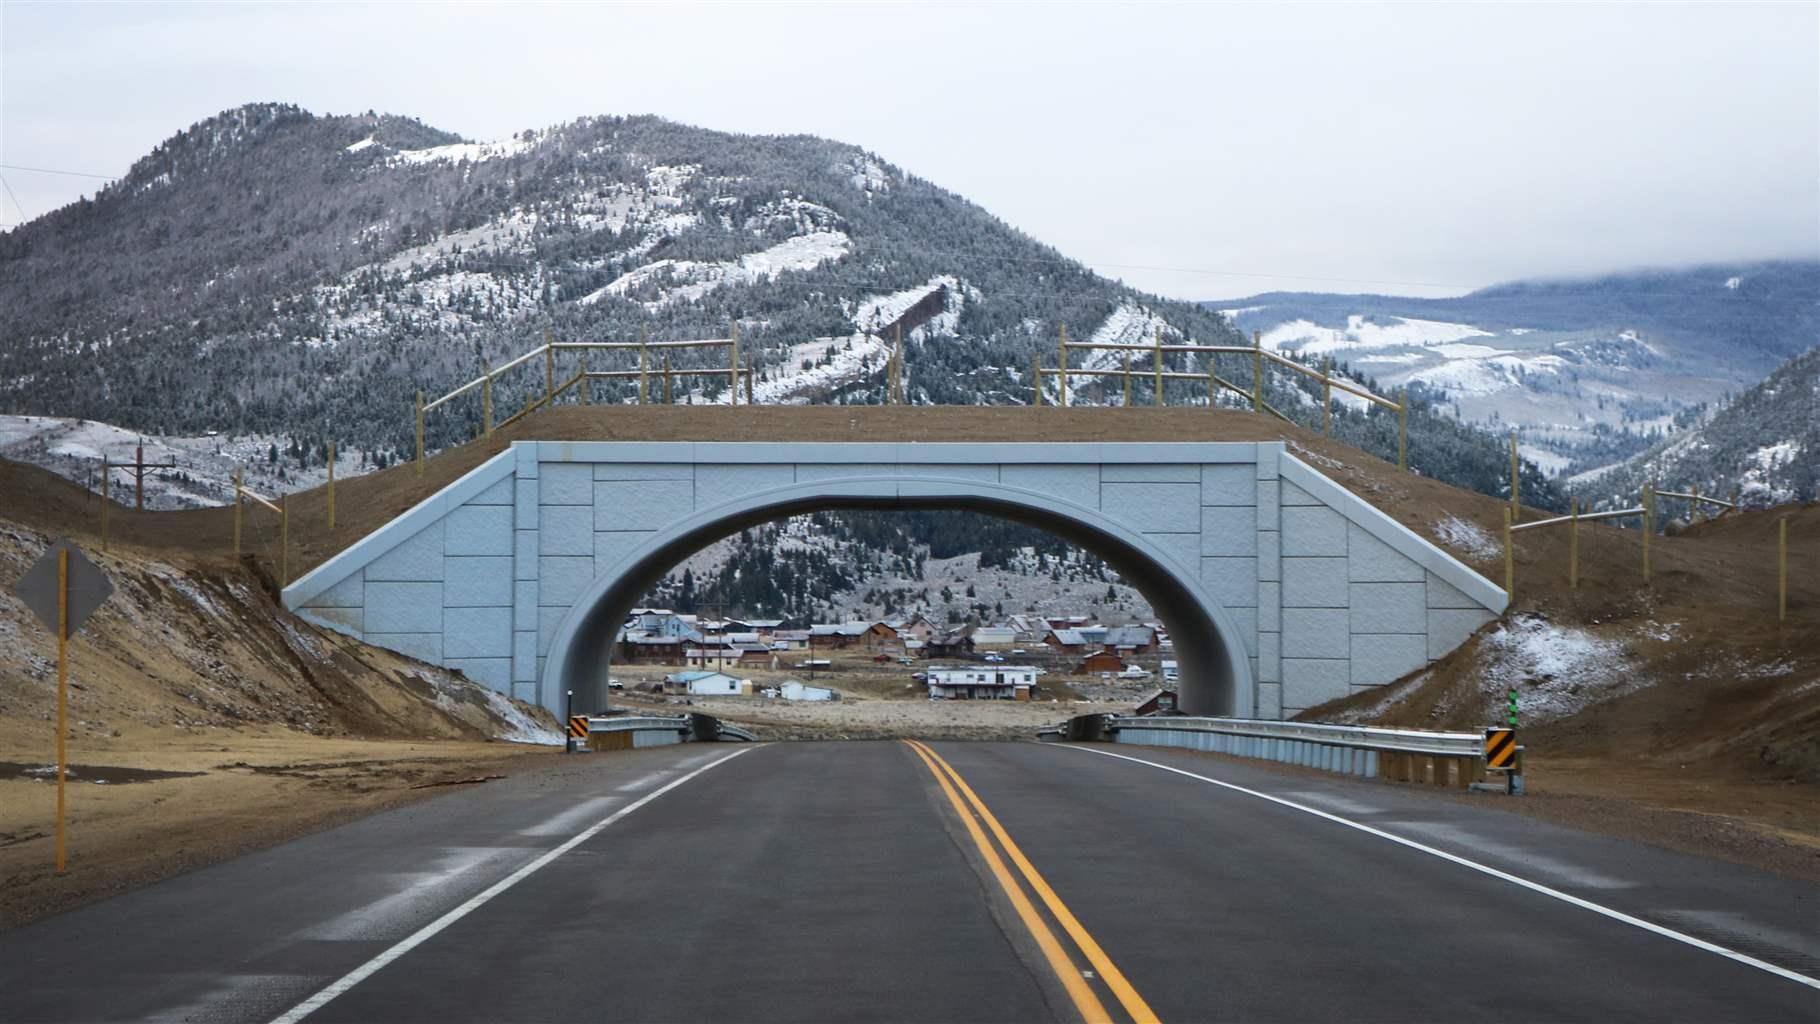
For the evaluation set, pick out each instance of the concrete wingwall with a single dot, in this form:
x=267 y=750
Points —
x=1281 y=589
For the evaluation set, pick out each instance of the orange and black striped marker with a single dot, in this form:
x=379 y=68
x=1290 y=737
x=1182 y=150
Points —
x=1500 y=748
x=578 y=726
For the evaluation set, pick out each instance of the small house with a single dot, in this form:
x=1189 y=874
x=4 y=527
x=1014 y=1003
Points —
x=981 y=682
x=1161 y=702
x=1098 y=661
x=793 y=689
x=706 y=684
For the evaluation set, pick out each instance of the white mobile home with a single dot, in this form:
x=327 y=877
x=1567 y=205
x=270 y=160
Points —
x=981 y=682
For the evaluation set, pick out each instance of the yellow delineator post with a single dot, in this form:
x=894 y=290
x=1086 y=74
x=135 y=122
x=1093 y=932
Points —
x=1782 y=569
x=106 y=472
x=1403 y=430
x=238 y=487
x=1156 y=366
x=1516 y=509
x=1327 y=397
x=63 y=648
x=1127 y=380
x=1061 y=379
x=486 y=404
x=1257 y=371
x=1573 y=544
x=641 y=364
x=1510 y=563
x=733 y=369
x=419 y=433
x=331 y=485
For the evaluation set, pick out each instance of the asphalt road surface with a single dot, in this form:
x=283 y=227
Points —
x=949 y=882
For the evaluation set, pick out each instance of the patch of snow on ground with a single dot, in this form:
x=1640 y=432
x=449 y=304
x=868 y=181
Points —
x=1465 y=537
x=1556 y=670
x=690 y=280
x=473 y=152
x=846 y=359
x=519 y=726
x=362 y=144
x=1754 y=487
x=1732 y=283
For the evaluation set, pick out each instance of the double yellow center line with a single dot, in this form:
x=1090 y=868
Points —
x=1072 y=979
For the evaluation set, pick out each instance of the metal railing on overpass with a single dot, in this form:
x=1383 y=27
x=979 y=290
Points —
x=638 y=731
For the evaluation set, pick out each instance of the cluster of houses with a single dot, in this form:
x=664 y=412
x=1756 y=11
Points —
x=722 y=684
x=659 y=636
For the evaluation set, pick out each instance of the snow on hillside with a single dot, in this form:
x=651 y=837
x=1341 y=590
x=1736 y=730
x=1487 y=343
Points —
x=472 y=152
x=687 y=280
x=204 y=471
x=820 y=365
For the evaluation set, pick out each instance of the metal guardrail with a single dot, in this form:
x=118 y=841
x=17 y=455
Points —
x=1409 y=755
x=661 y=730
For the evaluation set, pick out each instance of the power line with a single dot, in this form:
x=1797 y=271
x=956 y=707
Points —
x=72 y=174
x=9 y=191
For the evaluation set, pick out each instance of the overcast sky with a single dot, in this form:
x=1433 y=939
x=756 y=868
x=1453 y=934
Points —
x=1408 y=148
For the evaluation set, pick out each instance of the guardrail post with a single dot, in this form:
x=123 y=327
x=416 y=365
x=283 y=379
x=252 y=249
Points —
x=237 y=511
x=1573 y=544
x=1061 y=388
x=331 y=485
x=419 y=433
x=1257 y=371
x=1327 y=397
x=733 y=368
x=1157 y=367
x=1781 y=569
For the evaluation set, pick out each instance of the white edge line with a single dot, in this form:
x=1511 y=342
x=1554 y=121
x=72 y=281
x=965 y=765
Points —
x=1616 y=915
x=424 y=934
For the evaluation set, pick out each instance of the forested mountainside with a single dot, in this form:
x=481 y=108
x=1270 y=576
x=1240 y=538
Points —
x=1590 y=370
x=1766 y=444
x=270 y=280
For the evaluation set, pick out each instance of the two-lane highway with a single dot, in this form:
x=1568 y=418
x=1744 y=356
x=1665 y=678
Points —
x=933 y=882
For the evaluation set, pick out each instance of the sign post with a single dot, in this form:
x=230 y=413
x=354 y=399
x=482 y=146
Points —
x=63 y=589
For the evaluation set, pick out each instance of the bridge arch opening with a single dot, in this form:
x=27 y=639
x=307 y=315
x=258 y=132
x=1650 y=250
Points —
x=1214 y=671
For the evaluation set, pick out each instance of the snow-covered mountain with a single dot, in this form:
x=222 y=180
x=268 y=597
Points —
x=1766 y=444
x=1589 y=371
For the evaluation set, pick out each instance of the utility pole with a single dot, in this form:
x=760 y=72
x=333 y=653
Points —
x=139 y=468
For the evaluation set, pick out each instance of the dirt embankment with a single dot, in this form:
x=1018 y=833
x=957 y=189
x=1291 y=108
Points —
x=191 y=667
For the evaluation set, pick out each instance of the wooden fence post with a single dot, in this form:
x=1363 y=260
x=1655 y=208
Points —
x=284 y=541
x=1782 y=569
x=331 y=485
x=641 y=364
x=1510 y=564
x=1157 y=366
x=419 y=433
x=1213 y=384
x=107 y=471
x=1516 y=482
x=1036 y=380
x=1061 y=386
x=669 y=382
x=238 y=470
x=1327 y=397
x=1403 y=429
x=584 y=381
x=1257 y=371
x=549 y=370
x=1127 y=379
x=748 y=380
x=486 y=404
x=1573 y=544
x=733 y=368
x=1649 y=523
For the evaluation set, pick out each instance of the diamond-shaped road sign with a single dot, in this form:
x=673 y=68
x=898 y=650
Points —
x=88 y=587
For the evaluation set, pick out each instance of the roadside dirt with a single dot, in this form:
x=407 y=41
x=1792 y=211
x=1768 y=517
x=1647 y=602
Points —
x=240 y=790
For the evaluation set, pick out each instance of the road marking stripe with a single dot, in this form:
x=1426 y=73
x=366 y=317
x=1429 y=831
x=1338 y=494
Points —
x=424 y=934
x=1616 y=915
x=1089 y=1005
x=1115 y=979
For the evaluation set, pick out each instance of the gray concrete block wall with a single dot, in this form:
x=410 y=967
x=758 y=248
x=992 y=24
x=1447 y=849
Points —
x=1327 y=596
